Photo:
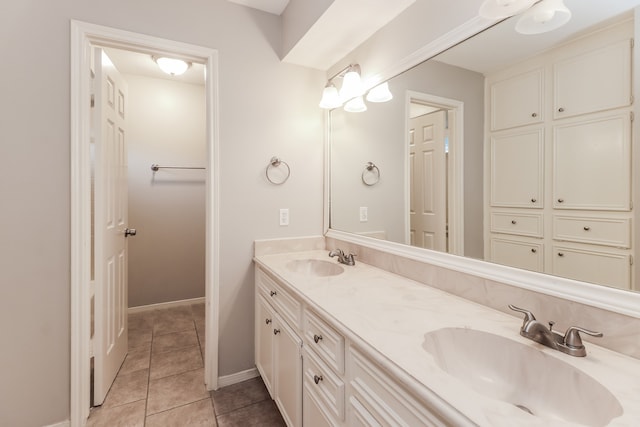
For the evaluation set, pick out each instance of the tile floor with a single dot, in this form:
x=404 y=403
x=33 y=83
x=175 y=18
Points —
x=161 y=383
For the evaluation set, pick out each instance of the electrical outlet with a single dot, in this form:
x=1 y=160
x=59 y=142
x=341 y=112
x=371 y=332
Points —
x=364 y=214
x=284 y=216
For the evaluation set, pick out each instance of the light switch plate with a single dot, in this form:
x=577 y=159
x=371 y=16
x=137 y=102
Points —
x=284 y=216
x=364 y=214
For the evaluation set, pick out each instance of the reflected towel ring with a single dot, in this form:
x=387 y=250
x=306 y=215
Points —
x=274 y=163
x=373 y=175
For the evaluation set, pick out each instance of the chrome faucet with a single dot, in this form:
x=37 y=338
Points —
x=569 y=343
x=342 y=257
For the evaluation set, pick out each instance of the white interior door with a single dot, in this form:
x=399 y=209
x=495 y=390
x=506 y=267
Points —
x=428 y=182
x=110 y=216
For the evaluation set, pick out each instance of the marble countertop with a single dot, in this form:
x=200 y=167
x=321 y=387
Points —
x=392 y=314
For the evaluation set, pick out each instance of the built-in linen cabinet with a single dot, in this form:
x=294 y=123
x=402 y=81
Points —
x=517 y=100
x=559 y=184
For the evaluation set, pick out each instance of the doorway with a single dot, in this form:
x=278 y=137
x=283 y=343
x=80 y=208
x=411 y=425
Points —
x=83 y=36
x=438 y=176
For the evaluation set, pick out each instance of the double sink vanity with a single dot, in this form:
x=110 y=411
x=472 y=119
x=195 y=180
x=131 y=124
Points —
x=356 y=345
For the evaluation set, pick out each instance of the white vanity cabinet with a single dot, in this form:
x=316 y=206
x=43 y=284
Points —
x=278 y=346
x=559 y=196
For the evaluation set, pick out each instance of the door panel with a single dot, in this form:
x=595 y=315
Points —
x=110 y=341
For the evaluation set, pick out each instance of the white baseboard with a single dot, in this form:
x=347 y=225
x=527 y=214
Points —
x=169 y=304
x=238 y=377
x=65 y=423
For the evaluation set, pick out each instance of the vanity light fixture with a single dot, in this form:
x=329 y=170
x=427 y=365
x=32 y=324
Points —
x=500 y=9
x=380 y=93
x=356 y=105
x=545 y=16
x=174 y=67
x=352 y=91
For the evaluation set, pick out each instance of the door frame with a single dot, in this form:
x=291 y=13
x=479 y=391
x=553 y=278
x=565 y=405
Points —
x=455 y=192
x=83 y=35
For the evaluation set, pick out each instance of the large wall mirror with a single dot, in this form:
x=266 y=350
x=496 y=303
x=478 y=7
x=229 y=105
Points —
x=448 y=165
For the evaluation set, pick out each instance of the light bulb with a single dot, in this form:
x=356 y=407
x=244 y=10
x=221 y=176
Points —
x=356 y=105
x=330 y=97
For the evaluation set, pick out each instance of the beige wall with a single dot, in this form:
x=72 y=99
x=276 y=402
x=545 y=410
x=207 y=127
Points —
x=266 y=108
x=166 y=126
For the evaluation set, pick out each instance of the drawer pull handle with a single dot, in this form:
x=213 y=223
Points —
x=513 y=221
x=561 y=110
x=317 y=378
x=267 y=321
x=276 y=331
x=560 y=254
x=533 y=200
x=534 y=114
x=317 y=338
x=534 y=250
x=273 y=293
x=587 y=228
x=560 y=200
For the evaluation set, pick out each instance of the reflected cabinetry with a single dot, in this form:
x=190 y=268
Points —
x=559 y=155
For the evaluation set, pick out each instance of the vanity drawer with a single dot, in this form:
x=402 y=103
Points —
x=325 y=387
x=517 y=223
x=283 y=302
x=381 y=401
x=324 y=340
x=605 y=268
x=599 y=231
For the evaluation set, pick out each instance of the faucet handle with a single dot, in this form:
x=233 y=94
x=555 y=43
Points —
x=528 y=316
x=572 y=336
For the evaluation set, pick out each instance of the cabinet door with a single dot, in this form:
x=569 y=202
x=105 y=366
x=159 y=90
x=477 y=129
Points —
x=592 y=164
x=264 y=325
x=314 y=415
x=288 y=372
x=517 y=169
x=604 y=268
x=517 y=253
x=595 y=81
x=517 y=101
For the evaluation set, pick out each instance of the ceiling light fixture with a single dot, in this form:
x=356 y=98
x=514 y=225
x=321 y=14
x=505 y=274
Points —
x=174 y=67
x=330 y=97
x=500 y=9
x=380 y=93
x=545 y=16
x=356 y=105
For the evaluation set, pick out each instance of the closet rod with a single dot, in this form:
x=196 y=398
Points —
x=155 y=167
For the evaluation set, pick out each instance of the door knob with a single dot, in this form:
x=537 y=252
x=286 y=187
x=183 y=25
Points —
x=129 y=232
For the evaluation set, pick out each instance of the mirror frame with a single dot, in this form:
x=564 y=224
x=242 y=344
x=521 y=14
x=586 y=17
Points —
x=607 y=298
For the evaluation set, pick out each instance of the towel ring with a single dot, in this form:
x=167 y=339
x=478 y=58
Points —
x=274 y=163
x=373 y=176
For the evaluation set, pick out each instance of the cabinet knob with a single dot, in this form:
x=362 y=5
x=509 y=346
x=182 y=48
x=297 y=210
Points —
x=534 y=114
x=533 y=200
x=534 y=250
x=272 y=293
x=514 y=222
x=317 y=378
x=586 y=228
x=276 y=331
x=560 y=254
x=267 y=321
x=560 y=200
x=317 y=338
x=561 y=110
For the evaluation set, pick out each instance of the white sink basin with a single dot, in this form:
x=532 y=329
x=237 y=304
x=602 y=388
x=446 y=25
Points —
x=314 y=267
x=509 y=371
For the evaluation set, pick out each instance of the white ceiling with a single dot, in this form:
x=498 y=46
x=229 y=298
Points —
x=272 y=6
x=141 y=64
x=501 y=46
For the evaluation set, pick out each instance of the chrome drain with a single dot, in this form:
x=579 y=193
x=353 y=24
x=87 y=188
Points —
x=524 y=408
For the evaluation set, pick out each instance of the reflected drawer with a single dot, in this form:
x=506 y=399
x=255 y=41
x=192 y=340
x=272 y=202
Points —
x=604 y=268
x=324 y=340
x=518 y=223
x=599 y=231
x=518 y=253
